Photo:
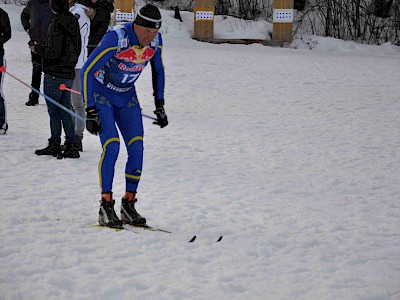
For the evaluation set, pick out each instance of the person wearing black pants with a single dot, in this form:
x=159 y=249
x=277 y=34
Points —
x=35 y=18
x=60 y=54
x=5 y=35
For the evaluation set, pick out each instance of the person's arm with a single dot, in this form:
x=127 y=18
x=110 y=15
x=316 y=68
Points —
x=103 y=52
x=84 y=28
x=26 y=18
x=158 y=75
x=5 y=26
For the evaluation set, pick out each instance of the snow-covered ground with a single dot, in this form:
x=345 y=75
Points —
x=292 y=155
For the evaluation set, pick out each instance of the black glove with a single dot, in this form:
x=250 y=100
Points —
x=162 y=119
x=93 y=124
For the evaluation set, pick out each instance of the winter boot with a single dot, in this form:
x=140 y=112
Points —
x=78 y=143
x=52 y=149
x=71 y=151
x=107 y=215
x=129 y=215
x=3 y=129
x=33 y=99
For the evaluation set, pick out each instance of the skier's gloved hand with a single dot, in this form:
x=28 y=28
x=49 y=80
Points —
x=93 y=124
x=162 y=119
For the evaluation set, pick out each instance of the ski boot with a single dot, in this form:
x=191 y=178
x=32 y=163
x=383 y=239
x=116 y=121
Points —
x=107 y=215
x=129 y=215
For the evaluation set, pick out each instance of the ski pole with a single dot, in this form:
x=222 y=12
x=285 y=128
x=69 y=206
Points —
x=3 y=70
x=63 y=87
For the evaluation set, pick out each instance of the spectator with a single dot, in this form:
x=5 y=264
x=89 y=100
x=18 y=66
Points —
x=60 y=54
x=5 y=35
x=177 y=14
x=100 y=22
x=35 y=18
x=81 y=13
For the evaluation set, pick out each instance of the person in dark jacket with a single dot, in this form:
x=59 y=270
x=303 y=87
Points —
x=100 y=22
x=59 y=55
x=5 y=35
x=36 y=18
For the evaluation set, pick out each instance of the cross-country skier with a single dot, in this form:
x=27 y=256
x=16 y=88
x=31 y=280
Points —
x=108 y=90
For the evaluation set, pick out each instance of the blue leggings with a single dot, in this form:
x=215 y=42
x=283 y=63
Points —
x=129 y=121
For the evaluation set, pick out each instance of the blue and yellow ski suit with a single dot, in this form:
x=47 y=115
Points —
x=108 y=83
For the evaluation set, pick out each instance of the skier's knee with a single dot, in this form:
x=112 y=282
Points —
x=111 y=148
x=135 y=146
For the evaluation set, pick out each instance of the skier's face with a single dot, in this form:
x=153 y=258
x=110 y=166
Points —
x=145 y=35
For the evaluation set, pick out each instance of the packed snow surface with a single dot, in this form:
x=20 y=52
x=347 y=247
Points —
x=291 y=154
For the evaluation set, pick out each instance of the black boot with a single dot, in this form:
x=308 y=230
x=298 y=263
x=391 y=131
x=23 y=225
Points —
x=52 y=149
x=71 y=151
x=129 y=215
x=107 y=215
x=3 y=129
x=78 y=142
x=33 y=99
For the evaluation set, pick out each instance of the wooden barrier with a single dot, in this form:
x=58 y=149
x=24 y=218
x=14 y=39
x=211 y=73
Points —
x=124 y=10
x=283 y=20
x=204 y=19
x=125 y=5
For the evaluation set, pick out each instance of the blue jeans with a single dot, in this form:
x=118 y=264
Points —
x=3 y=116
x=58 y=117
